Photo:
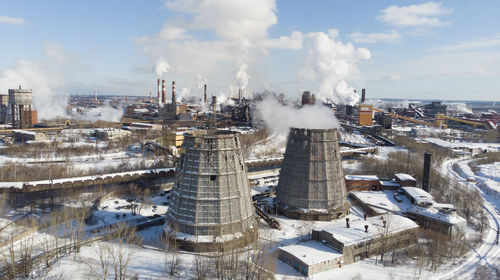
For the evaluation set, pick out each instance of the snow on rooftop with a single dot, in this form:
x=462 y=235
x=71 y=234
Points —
x=404 y=177
x=383 y=201
x=419 y=194
x=312 y=252
x=361 y=177
x=356 y=232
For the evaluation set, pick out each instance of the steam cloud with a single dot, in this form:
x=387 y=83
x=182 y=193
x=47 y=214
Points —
x=49 y=78
x=278 y=118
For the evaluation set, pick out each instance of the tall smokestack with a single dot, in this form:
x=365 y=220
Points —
x=427 y=170
x=159 y=93
x=163 y=92
x=205 y=93
x=173 y=92
x=363 y=95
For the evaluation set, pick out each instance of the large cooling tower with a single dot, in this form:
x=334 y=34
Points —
x=211 y=207
x=311 y=184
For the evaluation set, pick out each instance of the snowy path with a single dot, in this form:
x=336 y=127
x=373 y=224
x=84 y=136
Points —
x=489 y=252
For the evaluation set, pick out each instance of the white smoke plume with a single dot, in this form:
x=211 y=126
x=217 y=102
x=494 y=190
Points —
x=458 y=107
x=330 y=62
x=161 y=67
x=105 y=113
x=278 y=118
x=242 y=77
x=48 y=77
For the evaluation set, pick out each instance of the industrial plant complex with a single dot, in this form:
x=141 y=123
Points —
x=179 y=139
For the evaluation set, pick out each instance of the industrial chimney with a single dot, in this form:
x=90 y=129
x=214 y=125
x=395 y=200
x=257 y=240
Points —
x=205 y=93
x=363 y=95
x=159 y=93
x=427 y=170
x=163 y=92
x=173 y=93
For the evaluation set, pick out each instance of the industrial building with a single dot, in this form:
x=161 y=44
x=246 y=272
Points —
x=310 y=257
x=24 y=136
x=21 y=108
x=110 y=134
x=4 y=108
x=414 y=203
x=311 y=183
x=344 y=243
x=308 y=98
x=374 y=183
x=211 y=207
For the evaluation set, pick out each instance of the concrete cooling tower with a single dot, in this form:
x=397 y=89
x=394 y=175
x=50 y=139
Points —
x=211 y=207
x=311 y=184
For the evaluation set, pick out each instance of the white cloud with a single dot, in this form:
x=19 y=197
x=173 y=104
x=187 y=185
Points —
x=424 y=15
x=391 y=36
x=11 y=20
x=294 y=42
x=476 y=44
x=229 y=19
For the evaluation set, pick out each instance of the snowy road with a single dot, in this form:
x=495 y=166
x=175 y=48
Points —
x=489 y=251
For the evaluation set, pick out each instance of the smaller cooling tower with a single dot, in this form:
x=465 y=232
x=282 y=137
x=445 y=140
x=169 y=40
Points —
x=211 y=207
x=311 y=184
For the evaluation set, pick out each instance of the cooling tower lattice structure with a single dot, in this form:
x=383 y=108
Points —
x=311 y=184
x=211 y=206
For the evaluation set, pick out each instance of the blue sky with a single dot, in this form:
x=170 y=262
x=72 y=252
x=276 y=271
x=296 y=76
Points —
x=396 y=49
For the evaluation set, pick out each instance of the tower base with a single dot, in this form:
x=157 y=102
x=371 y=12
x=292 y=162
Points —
x=203 y=244
x=314 y=215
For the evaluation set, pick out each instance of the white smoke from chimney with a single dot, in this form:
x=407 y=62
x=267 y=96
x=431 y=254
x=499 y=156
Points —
x=105 y=113
x=49 y=77
x=279 y=118
x=242 y=77
x=458 y=107
x=330 y=63
x=161 y=67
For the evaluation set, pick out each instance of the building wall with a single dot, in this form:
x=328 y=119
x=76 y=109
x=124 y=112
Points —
x=366 y=115
x=361 y=250
x=305 y=269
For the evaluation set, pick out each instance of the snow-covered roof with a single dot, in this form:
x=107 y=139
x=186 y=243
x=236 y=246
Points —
x=355 y=233
x=361 y=177
x=384 y=183
x=24 y=132
x=312 y=252
x=419 y=195
x=433 y=213
x=383 y=201
x=404 y=177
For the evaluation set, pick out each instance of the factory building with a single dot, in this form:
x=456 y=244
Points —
x=415 y=204
x=365 y=115
x=21 y=108
x=24 y=136
x=4 y=108
x=211 y=207
x=307 y=98
x=311 y=184
x=343 y=243
x=111 y=134
x=360 y=238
